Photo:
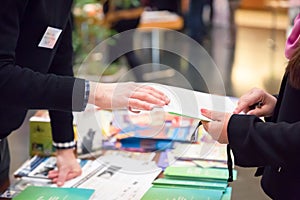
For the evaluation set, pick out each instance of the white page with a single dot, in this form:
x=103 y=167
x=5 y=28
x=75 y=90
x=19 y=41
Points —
x=189 y=103
x=127 y=178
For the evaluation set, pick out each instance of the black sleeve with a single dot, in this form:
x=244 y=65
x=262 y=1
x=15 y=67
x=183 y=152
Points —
x=20 y=86
x=256 y=143
x=62 y=121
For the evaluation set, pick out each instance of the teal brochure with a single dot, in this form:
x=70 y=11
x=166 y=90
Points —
x=197 y=173
x=186 y=194
x=173 y=183
x=46 y=193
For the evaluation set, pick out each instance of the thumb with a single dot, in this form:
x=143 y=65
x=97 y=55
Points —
x=213 y=115
x=62 y=176
x=206 y=113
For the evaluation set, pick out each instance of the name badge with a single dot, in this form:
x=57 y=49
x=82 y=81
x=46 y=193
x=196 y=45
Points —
x=50 y=38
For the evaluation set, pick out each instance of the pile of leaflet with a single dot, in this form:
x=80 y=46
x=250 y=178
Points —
x=191 y=183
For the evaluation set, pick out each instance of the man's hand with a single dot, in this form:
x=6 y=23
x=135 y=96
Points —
x=68 y=167
x=217 y=128
x=255 y=95
x=126 y=95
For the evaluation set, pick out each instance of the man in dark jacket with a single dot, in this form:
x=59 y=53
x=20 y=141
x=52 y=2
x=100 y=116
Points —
x=36 y=73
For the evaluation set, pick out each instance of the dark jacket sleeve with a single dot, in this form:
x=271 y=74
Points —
x=256 y=143
x=62 y=121
x=23 y=88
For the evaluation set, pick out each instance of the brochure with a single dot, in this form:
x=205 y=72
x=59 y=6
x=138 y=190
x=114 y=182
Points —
x=42 y=192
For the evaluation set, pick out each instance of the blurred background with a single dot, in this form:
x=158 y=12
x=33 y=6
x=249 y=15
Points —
x=245 y=39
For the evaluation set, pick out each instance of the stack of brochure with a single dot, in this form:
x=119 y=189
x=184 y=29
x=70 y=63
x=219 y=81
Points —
x=34 y=172
x=191 y=183
x=204 y=154
x=116 y=175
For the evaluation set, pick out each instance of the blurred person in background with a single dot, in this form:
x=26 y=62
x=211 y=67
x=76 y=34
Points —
x=122 y=16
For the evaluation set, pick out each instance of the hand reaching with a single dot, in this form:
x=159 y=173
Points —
x=126 y=95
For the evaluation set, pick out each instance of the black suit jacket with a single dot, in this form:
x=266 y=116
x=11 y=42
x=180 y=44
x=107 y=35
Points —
x=33 y=77
x=273 y=145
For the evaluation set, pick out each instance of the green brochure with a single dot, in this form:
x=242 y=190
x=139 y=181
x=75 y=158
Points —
x=183 y=193
x=173 y=183
x=53 y=193
x=197 y=173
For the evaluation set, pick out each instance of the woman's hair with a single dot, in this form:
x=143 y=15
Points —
x=293 y=68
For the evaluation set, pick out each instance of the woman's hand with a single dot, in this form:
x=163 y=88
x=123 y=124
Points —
x=126 y=95
x=217 y=128
x=266 y=102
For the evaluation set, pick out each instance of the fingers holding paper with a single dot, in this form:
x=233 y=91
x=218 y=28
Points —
x=256 y=102
x=126 y=95
x=217 y=128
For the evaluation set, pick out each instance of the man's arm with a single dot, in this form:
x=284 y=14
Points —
x=62 y=121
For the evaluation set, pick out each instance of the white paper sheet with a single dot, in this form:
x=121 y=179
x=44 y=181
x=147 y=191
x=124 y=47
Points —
x=188 y=103
x=115 y=178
